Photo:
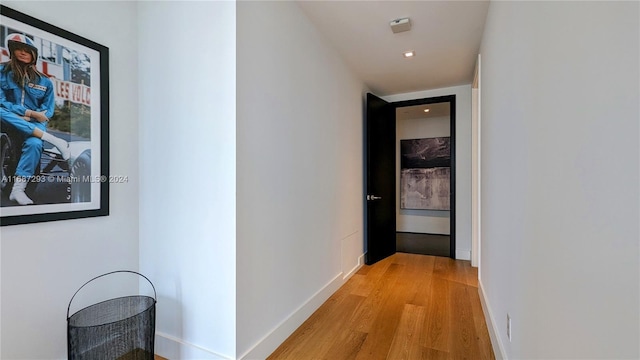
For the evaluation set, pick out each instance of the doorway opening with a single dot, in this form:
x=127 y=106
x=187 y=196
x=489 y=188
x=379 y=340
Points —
x=423 y=178
x=383 y=181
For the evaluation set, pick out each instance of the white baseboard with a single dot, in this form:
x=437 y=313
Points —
x=463 y=254
x=171 y=347
x=356 y=268
x=270 y=342
x=496 y=343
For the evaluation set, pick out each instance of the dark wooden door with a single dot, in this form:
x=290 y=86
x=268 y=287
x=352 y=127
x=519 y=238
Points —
x=380 y=173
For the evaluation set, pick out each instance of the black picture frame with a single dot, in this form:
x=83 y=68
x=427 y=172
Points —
x=79 y=72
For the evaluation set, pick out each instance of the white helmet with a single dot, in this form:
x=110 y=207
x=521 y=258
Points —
x=19 y=40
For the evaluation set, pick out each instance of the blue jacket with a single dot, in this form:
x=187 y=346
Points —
x=35 y=96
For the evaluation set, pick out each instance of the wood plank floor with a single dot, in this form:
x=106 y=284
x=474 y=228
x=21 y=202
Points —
x=404 y=307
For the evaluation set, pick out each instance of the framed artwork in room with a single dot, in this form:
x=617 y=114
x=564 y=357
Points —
x=54 y=122
x=425 y=173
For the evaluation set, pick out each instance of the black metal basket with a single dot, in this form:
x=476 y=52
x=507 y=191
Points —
x=122 y=328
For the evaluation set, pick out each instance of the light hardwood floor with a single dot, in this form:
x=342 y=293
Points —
x=404 y=307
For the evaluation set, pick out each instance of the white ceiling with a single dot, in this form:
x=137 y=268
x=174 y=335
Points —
x=445 y=36
x=417 y=111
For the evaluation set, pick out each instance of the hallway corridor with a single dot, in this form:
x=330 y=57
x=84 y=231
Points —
x=404 y=307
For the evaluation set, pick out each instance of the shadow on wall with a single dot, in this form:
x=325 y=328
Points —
x=170 y=317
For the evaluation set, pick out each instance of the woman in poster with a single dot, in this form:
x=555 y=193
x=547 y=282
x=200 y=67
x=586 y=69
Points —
x=26 y=104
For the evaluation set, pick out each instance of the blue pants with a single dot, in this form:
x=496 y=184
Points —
x=31 y=145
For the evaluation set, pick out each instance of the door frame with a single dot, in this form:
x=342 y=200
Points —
x=451 y=99
x=476 y=167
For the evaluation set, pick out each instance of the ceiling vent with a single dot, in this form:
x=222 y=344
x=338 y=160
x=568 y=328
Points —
x=400 y=25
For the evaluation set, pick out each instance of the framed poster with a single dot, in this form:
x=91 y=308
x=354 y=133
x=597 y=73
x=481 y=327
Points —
x=54 y=125
x=425 y=173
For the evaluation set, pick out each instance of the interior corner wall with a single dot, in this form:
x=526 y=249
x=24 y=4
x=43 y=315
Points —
x=560 y=178
x=299 y=160
x=43 y=264
x=187 y=92
x=463 y=159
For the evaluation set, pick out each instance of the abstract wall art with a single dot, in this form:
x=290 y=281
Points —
x=425 y=173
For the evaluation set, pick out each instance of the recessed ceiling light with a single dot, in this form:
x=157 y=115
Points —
x=426 y=110
x=409 y=54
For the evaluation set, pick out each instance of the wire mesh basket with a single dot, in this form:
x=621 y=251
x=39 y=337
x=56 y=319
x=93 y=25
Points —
x=122 y=328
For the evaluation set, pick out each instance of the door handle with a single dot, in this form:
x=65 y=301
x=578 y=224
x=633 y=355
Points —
x=373 y=197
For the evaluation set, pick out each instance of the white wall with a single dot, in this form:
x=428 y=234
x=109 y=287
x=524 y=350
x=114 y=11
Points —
x=463 y=159
x=187 y=155
x=299 y=161
x=560 y=178
x=412 y=220
x=44 y=264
